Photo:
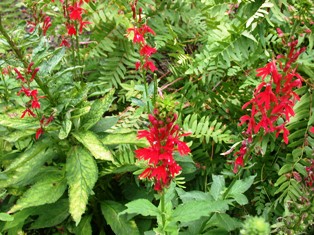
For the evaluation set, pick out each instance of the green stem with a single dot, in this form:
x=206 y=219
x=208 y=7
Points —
x=155 y=90
x=24 y=62
x=146 y=90
x=163 y=213
x=6 y=90
x=78 y=49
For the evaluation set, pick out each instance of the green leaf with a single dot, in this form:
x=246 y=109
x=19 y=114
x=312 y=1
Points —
x=19 y=219
x=224 y=221
x=27 y=165
x=193 y=210
x=12 y=119
x=285 y=168
x=240 y=186
x=18 y=134
x=94 y=145
x=48 y=66
x=123 y=138
x=142 y=207
x=240 y=198
x=218 y=186
x=84 y=227
x=104 y=124
x=65 y=129
x=50 y=215
x=47 y=190
x=6 y=217
x=98 y=108
x=82 y=174
x=118 y=224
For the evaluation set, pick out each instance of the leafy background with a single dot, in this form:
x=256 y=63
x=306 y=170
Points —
x=81 y=176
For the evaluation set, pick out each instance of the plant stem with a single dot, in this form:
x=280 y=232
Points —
x=24 y=62
x=146 y=90
x=162 y=208
x=78 y=50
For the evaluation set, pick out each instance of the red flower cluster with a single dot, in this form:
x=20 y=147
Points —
x=273 y=99
x=163 y=137
x=240 y=156
x=139 y=38
x=39 y=18
x=33 y=103
x=75 y=21
x=74 y=13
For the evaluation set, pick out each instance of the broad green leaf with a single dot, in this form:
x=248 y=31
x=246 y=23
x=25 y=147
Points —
x=217 y=186
x=82 y=174
x=47 y=190
x=65 y=129
x=193 y=210
x=84 y=227
x=224 y=221
x=193 y=195
x=19 y=218
x=98 y=108
x=240 y=186
x=94 y=145
x=240 y=198
x=18 y=134
x=23 y=170
x=48 y=66
x=35 y=150
x=6 y=217
x=104 y=124
x=118 y=224
x=141 y=206
x=50 y=215
x=13 y=120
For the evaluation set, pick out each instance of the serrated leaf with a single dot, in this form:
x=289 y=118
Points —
x=224 y=221
x=84 y=227
x=48 y=66
x=65 y=129
x=27 y=165
x=94 y=145
x=50 y=215
x=104 y=124
x=82 y=174
x=18 y=134
x=142 y=207
x=240 y=198
x=118 y=224
x=98 y=108
x=47 y=190
x=217 y=186
x=193 y=210
x=12 y=119
x=240 y=186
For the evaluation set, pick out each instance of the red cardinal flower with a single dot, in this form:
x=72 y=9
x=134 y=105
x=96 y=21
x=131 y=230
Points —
x=75 y=11
x=147 y=51
x=46 y=24
x=71 y=29
x=149 y=64
x=164 y=139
